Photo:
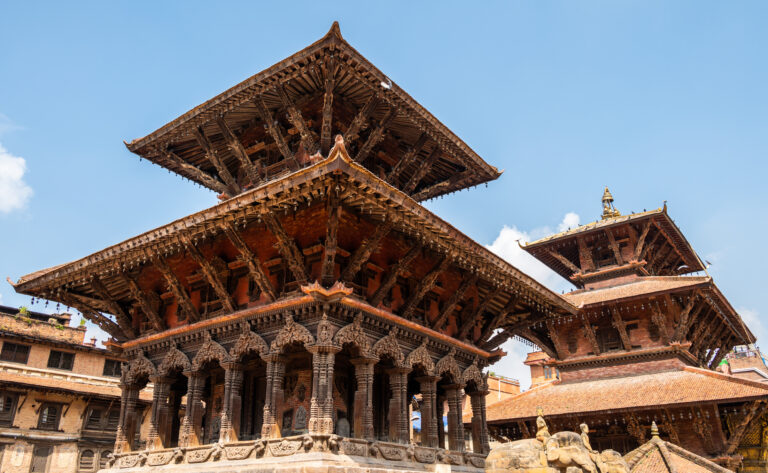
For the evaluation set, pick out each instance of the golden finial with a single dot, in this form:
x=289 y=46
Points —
x=654 y=430
x=540 y=411
x=609 y=211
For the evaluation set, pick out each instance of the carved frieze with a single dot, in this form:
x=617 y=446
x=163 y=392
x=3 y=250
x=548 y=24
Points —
x=174 y=360
x=421 y=357
x=140 y=368
x=284 y=447
x=160 y=458
x=210 y=351
x=291 y=332
x=448 y=364
x=248 y=342
x=199 y=455
x=353 y=334
x=238 y=452
x=388 y=346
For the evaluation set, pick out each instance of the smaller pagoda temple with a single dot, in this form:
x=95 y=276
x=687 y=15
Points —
x=643 y=347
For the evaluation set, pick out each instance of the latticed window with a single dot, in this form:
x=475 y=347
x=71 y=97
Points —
x=14 y=352
x=49 y=417
x=113 y=418
x=61 y=360
x=94 y=419
x=7 y=408
x=87 y=460
x=112 y=368
x=102 y=418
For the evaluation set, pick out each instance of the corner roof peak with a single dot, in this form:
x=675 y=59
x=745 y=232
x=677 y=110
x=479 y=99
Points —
x=609 y=211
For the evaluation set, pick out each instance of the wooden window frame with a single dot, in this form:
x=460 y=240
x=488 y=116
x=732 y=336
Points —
x=63 y=355
x=43 y=408
x=7 y=345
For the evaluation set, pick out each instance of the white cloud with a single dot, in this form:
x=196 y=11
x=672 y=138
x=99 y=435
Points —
x=752 y=320
x=507 y=247
x=14 y=192
x=6 y=125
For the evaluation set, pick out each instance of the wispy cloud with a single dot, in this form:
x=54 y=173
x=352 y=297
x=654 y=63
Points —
x=14 y=191
x=752 y=319
x=6 y=125
x=507 y=247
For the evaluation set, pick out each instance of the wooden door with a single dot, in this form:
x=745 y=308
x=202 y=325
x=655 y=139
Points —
x=40 y=456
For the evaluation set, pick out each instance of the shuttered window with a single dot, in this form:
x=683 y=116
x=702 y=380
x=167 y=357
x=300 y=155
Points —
x=61 y=360
x=49 y=417
x=14 y=352
x=87 y=459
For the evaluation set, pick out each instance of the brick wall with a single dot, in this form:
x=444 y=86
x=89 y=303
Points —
x=41 y=329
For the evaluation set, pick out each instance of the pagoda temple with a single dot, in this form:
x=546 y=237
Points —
x=295 y=323
x=643 y=347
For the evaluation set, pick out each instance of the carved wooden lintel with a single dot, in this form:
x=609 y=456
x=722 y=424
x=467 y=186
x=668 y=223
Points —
x=258 y=275
x=210 y=274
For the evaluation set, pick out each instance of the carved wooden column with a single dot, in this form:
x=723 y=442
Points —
x=363 y=407
x=273 y=396
x=455 y=425
x=398 y=406
x=155 y=437
x=429 y=432
x=230 y=411
x=126 y=428
x=480 y=442
x=191 y=427
x=440 y=424
x=321 y=403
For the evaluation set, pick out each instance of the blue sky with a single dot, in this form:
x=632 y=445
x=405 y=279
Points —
x=658 y=100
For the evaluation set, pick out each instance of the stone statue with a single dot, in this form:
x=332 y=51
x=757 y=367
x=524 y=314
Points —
x=563 y=452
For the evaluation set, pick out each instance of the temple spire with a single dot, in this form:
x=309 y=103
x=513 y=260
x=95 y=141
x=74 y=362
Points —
x=609 y=211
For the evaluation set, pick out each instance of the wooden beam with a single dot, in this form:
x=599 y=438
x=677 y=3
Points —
x=210 y=274
x=534 y=338
x=393 y=274
x=698 y=333
x=498 y=318
x=467 y=325
x=258 y=275
x=121 y=316
x=364 y=251
x=651 y=245
x=325 y=127
x=564 y=260
x=202 y=176
x=331 y=238
x=236 y=148
x=424 y=286
x=496 y=341
x=457 y=180
x=138 y=295
x=722 y=350
x=585 y=255
x=182 y=298
x=660 y=321
x=361 y=119
x=454 y=300
x=737 y=436
x=297 y=120
x=620 y=325
x=213 y=157
x=287 y=247
x=682 y=324
x=692 y=318
x=421 y=171
x=104 y=323
x=641 y=240
x=407 y=159
x=614 y=246
x=272 y=128
x=560 y=348
x=376 y=135
x=589 y=333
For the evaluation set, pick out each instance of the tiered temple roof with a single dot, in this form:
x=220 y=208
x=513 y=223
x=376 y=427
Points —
x=275 y=120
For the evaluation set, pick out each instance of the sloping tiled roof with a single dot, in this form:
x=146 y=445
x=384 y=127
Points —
x=598 y=224
x=688 y=385
x=658 y=456
x=90 y=389
x=644 y=286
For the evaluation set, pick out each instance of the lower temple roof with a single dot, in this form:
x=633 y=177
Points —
x=659 y=456
x=680 y=387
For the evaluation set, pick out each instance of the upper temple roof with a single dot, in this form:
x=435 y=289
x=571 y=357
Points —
x=276 y=119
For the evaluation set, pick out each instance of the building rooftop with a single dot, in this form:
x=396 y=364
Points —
x=658 y=456
x=237 y=139
x=669 y=388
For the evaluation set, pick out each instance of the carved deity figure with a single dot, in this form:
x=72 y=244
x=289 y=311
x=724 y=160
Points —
x=542 y=431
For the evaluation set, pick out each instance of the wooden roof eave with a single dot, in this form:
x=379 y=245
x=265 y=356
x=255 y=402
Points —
x=147 y=147
x=447 y=236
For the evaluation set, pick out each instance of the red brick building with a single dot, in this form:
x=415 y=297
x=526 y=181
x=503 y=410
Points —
x=643 y=347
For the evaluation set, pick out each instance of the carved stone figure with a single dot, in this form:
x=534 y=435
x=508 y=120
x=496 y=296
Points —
x=563 y=452
x=300 y=418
